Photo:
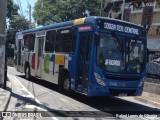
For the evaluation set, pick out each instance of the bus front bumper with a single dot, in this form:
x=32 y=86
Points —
x=116 y=88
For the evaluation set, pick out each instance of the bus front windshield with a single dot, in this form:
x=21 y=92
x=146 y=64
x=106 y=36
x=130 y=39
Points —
x=120 y=54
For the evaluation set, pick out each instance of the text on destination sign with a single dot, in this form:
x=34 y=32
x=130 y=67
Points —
x=121 y=28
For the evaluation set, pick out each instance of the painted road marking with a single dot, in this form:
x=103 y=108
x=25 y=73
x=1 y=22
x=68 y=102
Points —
x=64 y=100
x=27 y=91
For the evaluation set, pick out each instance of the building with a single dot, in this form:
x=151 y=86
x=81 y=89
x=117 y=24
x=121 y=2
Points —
x=145 y=13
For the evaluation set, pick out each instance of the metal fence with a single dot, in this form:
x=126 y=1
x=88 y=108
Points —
x=153 y=68
x=153 y=57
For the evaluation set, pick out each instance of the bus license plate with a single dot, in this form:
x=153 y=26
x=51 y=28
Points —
x=122 y=94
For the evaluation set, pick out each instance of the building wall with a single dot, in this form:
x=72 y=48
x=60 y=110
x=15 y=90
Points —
x=136 y=18
x=156 y=17
x=137 y=13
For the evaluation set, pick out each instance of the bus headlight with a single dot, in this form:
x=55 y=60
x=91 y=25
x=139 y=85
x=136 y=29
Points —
x=141 y=83
x=99 y=79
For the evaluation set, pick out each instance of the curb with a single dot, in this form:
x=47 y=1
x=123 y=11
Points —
x=141 y=99
x=150 y=94
x=5 y=103
x=151 y=88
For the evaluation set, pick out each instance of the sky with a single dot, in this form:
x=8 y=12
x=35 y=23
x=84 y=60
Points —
x=24 y=4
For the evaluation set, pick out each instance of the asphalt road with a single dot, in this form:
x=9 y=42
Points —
x=39 y=95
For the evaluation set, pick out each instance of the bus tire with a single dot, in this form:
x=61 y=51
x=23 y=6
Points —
x=27 y=72
x=65 y=83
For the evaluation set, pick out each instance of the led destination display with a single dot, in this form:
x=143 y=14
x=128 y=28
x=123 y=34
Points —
x=121 y=27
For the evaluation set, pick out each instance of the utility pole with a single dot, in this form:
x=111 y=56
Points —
x=3 y=8
x=123 y=9
x=30 y=13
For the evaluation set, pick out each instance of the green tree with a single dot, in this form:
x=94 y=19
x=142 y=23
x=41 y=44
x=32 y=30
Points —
x=12 y=9
x=18 y=23
x=49 y=11
x=15 y=23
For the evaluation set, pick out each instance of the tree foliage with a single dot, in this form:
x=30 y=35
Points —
x=12 y=9
x=16 y=23
x=49 y=11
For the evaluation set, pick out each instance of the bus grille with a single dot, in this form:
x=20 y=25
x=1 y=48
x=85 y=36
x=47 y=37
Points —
x=122 y=78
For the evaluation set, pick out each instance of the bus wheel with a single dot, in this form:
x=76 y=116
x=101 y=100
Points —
x=27 y=72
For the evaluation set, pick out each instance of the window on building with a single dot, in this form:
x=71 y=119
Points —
x=157 y=4
x=63 y=40
x=127 y=15
x=147 y=15
x=29 y=41
x=50 y=41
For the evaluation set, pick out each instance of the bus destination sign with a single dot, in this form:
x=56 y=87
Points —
x=121 y=28
x=130 y=29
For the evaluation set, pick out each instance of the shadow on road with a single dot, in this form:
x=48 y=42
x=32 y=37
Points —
x=107 y=106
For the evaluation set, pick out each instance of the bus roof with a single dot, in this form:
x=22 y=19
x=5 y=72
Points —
x=90 y=19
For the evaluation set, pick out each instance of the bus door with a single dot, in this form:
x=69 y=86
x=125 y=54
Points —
x=39 y=56
x=83 y=60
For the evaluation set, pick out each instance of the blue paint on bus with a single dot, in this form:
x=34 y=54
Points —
x=100 y=74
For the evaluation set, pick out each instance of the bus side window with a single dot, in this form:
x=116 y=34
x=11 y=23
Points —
x=29 y=41
x=63 y=40
x=88 y=45
x=50 y=41
x=82 y=45
x=74 y=38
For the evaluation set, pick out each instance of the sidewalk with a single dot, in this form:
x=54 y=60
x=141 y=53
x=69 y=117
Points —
x=151 y=91
x=5 y=96
x=149 y=98
x=151 y=94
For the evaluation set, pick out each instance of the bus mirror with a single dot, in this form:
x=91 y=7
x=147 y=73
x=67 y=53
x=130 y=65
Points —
x=97 y=39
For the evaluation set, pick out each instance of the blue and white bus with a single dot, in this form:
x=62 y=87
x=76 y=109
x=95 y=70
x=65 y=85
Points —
x=95 y=56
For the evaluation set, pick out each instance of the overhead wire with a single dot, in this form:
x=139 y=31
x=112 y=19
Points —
x=21 y=6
